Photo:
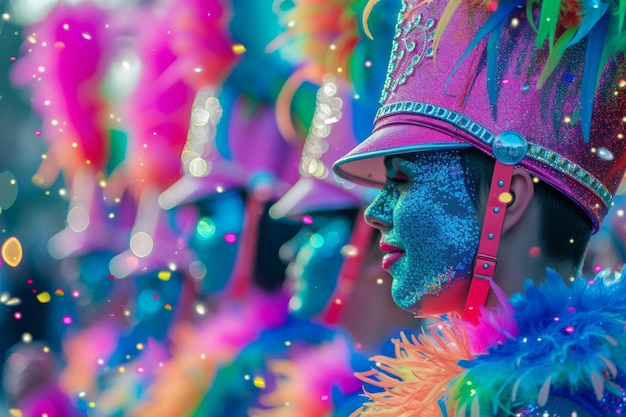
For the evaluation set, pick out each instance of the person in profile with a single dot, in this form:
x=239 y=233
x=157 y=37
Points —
x=498 y=149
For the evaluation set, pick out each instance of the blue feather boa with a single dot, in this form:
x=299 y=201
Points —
x=571 y=344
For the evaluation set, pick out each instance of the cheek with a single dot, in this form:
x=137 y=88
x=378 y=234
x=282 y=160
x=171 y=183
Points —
x=415 y=218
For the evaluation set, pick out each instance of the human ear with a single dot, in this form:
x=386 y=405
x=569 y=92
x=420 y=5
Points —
x=523 y=188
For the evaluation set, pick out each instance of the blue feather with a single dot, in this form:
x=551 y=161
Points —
x=593 y=57
x=497 y=19
x=566 y=334
x=492 y=65
x=590 y=17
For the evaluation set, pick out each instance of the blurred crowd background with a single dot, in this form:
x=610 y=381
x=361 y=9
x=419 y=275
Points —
x=173 y=240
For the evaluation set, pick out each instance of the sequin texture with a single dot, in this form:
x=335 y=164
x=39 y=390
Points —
x=432 y=218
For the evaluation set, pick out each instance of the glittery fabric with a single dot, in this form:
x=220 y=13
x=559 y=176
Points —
x=452 y=95
x=430 y=216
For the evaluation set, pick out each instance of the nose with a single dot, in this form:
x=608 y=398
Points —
x=379 y=213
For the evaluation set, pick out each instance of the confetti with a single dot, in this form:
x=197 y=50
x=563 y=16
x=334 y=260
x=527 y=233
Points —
x=239 y=49
x=12 y=252
x=259 y=382
x=164 y=275
x=44 y=297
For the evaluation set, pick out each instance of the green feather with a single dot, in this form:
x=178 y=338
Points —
x=555 y=56
x=529 y=13
x=548 y=21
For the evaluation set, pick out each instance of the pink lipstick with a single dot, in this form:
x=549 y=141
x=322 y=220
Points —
x=393 y=253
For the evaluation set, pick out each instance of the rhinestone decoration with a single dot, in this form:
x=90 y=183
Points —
x=413 y=40
x=536 y=152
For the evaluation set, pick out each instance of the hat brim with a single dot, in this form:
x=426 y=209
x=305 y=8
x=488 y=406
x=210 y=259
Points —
x=361 y=166
x=310 y=195
x=189 y=189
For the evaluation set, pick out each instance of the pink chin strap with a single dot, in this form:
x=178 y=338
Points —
x=485 y=262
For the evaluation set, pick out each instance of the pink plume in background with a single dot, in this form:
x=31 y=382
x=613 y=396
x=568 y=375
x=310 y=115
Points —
x=66 y=63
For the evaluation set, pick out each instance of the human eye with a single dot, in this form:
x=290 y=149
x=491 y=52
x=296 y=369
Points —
x=397 y=177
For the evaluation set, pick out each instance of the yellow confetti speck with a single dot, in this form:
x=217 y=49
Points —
x=12 y=251
x=14 y=412
x=13 y=301
x=38 y=179
x=92 y=404
x=349 y=251
x=43 y=297
x=259 y=382
x=239 y=49
x=505 y=198
x=200 y=309
x=27 y=338
x=139 y=346
x=164 y=275
x=121 y=369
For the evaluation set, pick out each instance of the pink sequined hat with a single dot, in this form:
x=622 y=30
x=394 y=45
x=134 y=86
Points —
x=482 y=74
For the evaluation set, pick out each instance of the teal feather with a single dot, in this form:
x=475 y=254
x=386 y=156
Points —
x=495 y=20
x=593 y=59
x=590 y=17
x=492 y=65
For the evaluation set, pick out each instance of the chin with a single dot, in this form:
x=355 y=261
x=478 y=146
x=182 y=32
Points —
x=450 y=300
x=406 y=301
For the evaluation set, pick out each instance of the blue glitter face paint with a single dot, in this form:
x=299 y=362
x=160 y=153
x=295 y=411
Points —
x=212 y=227
x=315 y=261
x=430 y=228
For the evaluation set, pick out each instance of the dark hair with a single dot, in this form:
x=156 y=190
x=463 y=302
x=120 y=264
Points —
x=565 y=229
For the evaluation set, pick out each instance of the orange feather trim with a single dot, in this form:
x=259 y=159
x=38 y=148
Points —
x=417 y=378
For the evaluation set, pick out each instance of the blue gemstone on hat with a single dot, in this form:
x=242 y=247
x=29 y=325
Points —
x=509 y=147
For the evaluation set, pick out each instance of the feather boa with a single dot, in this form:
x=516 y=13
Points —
x=199 y=351
x=560 y=337
x=305 y=382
